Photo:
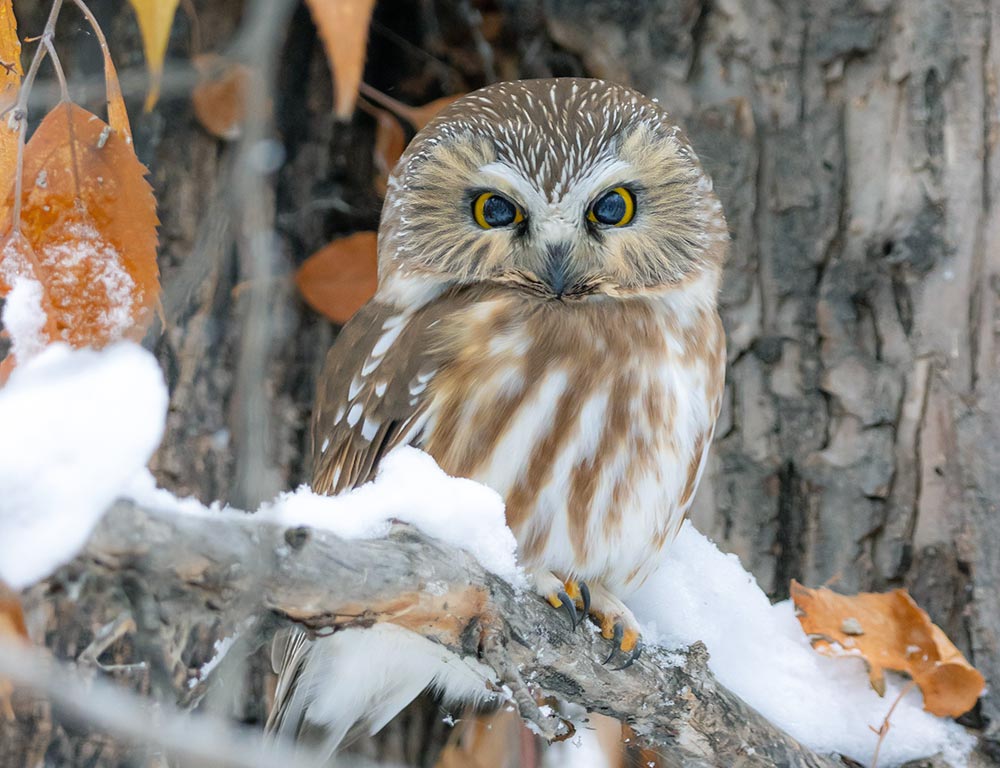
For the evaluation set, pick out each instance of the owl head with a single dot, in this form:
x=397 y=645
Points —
x=570 y=189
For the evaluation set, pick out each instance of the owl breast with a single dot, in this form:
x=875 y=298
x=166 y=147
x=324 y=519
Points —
x=591 y=419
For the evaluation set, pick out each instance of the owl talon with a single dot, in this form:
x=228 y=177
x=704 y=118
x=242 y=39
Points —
x=569 y=608
x=632 y=657
x=585 y=597
x=616 y=641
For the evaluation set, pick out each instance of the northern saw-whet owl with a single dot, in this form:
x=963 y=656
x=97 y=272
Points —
x=549 y=257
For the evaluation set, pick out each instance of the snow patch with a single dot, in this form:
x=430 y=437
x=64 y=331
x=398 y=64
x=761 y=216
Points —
x=76 y=425
x=24 y=318
x=411 y=488
x=760 y=652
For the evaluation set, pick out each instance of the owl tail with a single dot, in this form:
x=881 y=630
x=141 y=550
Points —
x=333 y=689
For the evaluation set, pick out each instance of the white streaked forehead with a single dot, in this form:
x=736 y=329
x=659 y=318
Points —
x=555 y=135
x=573 y=190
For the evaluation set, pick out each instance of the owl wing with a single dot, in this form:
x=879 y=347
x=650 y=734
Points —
x=372 y=395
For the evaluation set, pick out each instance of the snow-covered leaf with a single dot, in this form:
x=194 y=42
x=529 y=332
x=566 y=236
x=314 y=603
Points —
x=87 y=230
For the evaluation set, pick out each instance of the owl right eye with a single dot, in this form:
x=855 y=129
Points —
x=491 y=210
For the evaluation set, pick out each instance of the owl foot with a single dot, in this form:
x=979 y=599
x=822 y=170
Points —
x=617 y=625
x=567 y=596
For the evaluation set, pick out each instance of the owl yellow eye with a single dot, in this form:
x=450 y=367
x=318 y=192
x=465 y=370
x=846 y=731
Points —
x=614 y=209
x=491 y=210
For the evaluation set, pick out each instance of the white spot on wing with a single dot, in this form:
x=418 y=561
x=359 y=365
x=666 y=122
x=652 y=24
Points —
x=356 y=384
x=369 y=429
x=386 y=340
x=354 y=415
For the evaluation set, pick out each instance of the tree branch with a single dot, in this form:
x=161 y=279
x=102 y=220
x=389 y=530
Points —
x=193 y=564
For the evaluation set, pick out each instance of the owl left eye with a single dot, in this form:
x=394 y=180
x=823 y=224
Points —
x=491 y=210
x=613 y=209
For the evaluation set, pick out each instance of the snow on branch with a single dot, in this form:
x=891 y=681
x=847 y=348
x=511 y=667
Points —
x=191 y=564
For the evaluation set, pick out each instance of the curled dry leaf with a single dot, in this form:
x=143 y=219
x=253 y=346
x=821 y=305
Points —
x=10 y=85
x=890 y=631
x=87 y=230
x=219 y=98
x=343 y=27
x=339 y=278
x=155 y=19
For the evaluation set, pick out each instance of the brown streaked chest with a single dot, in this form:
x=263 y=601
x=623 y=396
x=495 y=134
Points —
x=573 y=411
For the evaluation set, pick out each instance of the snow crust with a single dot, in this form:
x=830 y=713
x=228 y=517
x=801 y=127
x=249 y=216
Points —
x=24 y=318
x=411 y=488
x=758 y=651
x=75 y=425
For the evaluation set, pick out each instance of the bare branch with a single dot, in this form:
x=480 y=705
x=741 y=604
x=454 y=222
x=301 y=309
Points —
x=193 y=564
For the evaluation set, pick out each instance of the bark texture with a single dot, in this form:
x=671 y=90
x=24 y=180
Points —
x=853 y=144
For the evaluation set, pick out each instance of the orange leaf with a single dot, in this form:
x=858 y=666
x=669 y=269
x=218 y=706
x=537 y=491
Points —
x=155 y=19
x=11 y=616
x=343 y=27
x=88 y=225
x=890 y=631
x=339 y=278
x=11 y=626
x=219 y=99
x=10 y=85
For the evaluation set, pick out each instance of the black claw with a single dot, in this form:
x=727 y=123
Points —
x=616 y=641
x=632 y=657
x=569 y=608
x=585 y=595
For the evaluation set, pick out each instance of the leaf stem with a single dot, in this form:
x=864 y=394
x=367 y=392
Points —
x=883 y=730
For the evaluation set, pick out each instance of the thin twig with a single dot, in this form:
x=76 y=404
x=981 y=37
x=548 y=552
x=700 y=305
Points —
x=21 y=109
x=883 y=729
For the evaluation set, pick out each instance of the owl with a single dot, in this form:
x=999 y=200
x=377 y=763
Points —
x=549 y=258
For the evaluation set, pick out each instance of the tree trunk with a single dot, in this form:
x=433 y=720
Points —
x=853 y=147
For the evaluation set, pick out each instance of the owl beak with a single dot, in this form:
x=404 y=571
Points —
x=555 y=271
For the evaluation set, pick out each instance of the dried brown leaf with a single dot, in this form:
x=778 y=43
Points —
x=219 y=98
x=155 y=19
x=890 y=631
x=339 y=278
x=343 y=27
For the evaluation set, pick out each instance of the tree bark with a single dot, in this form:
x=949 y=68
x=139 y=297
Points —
x=853 y=144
